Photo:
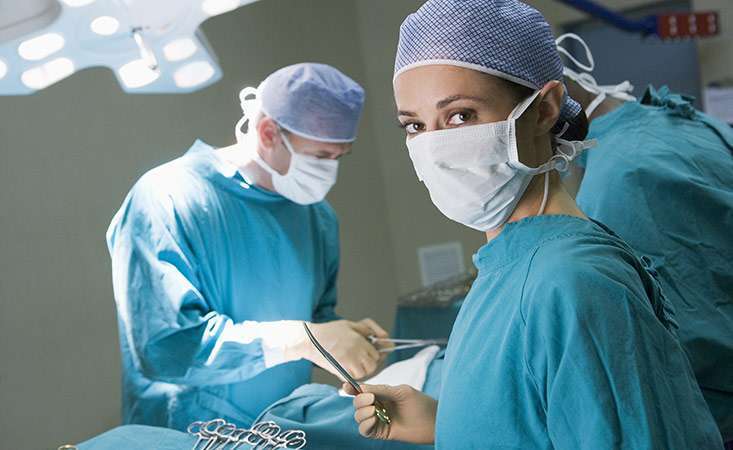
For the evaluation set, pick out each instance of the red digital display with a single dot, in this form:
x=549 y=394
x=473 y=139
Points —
x=688 y=25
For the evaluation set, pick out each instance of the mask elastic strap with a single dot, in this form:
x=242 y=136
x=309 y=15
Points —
x=567 y=151
x=287 y=143
x=545 y=195
x=561 y=162
x=262 y=163
x=595 y=104
x=254 y=154
x=522 y=107
x=565 y=128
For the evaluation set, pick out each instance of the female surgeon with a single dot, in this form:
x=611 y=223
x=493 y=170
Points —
x=565 y=340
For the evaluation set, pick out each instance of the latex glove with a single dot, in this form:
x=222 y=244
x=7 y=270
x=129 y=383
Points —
x=347 y=342
x=412 y=413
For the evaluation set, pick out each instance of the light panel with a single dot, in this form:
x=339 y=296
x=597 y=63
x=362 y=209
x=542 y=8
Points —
x=152 y=46
x=48 y=73
x=193 y=74
x=40 y=47
x=216 y=7
x=137 y=74
x=105 y=25
x=77 y=3
x=179 y=49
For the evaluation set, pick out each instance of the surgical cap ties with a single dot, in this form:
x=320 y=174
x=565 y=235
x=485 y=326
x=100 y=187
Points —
x=251 y=106
x=620 y=91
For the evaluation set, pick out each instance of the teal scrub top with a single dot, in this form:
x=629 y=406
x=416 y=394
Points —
x=194 y=250
x=565 y=342
x=662 y=178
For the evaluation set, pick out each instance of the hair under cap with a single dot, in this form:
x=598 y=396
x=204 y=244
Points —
x=505 y=38
x=315 y=101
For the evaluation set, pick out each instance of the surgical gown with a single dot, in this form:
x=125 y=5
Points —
x=565 y=342
x=662 y=178
x=195 y=250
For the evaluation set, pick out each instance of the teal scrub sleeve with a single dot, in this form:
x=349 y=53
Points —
x=326 y=309
x=177 y=336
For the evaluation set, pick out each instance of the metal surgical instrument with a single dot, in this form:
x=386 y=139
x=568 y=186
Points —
x=379 y=410
x=402 y=344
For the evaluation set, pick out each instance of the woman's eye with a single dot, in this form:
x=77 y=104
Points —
x=460 y=118
x=412 y=128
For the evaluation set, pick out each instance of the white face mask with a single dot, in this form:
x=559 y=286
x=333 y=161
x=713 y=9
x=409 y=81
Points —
x=308 y=179
x=586 y=81
x=473 y=173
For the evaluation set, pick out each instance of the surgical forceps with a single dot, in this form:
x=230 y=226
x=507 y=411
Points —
x=402 y=344
x=379 y=410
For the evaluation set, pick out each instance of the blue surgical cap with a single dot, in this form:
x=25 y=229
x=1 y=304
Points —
x=504 y=38
x=314 y=101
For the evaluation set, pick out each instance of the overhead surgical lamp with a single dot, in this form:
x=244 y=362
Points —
x=152 y=46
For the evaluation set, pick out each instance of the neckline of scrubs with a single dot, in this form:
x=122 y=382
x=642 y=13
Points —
x=520 y=237
x=226 y=174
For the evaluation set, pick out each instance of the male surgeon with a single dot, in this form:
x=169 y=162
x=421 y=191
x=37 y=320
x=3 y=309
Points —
x=220 y=255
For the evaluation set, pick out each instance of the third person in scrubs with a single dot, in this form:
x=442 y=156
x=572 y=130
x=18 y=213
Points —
x=662 y=178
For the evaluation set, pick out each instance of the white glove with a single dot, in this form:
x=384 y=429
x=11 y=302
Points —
x=286 y=340
x=348 y=343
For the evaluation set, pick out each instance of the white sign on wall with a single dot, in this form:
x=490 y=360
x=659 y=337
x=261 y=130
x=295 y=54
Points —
x=719 y=103
x=440 y=262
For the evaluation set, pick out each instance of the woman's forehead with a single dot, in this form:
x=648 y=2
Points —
x=431 y=84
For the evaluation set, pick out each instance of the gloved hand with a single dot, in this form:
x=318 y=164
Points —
x=412 y=413
x=346 y=341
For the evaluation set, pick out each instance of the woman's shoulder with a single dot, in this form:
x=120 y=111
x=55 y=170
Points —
x=583 y=272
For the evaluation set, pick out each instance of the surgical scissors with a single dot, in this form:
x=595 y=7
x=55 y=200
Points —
x=402 y=344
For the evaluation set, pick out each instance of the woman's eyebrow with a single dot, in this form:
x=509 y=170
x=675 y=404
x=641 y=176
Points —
x=445 y=102
x=448 y=100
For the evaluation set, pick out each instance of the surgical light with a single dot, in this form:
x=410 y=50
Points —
x=40 y=47
x=151 y=46
x=138 y=73
x=193 y=74
x=48 y=73
x=77 y=3
x=216 y=7
x=105 y=25
x=179 y=49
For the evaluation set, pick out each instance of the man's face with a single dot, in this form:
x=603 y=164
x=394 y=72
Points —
x=279 y=157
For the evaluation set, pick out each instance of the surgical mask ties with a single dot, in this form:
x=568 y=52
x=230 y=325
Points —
x=620 y=91
x=473 y=173
x=308 y=179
